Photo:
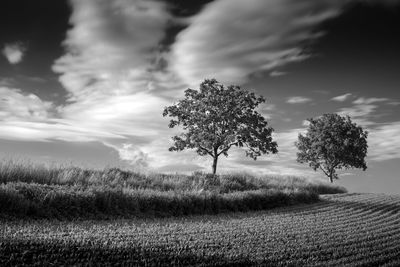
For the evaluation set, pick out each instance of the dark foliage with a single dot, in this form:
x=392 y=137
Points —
x=216 y=117
x=333 y=142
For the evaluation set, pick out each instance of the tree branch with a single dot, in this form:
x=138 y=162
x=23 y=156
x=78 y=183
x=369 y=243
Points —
x=227 y=148
x=324 y=171
x=206 y=150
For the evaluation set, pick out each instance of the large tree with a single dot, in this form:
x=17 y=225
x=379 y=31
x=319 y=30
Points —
x=333 y=142
x=215 y=118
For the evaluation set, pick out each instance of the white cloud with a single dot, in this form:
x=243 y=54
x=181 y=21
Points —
x=276 y=73
x=15 y=104
x=383 y=142
x=111 y=47
x=14 y=52
x=52 y=129
x=111 y=50
x=341 y=98
x=298 y=100
x=363 y=110
x=367 y=101
x=132 y=154
x=231 y=39
x=114 y=95
x=6 y=82
x=360 y=113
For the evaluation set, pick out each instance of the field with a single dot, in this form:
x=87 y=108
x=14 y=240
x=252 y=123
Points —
x=343 y=229
x=40 y=192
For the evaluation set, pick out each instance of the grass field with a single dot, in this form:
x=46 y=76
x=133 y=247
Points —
x=343 y=229
x=36 y=191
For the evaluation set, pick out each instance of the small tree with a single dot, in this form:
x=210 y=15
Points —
x=333 y=142
x=216 y=117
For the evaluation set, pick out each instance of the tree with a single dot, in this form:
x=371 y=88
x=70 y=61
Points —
x=216 y=117
x=333 y=142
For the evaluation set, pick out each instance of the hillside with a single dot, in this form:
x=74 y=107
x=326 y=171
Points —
x=343 y=229
x=29 y=191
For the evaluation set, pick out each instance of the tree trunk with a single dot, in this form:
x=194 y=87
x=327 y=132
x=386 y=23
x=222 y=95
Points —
x=214 y=166
x=331 y=176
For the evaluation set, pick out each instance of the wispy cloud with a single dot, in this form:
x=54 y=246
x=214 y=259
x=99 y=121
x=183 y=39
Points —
x=108 y=70
x=360 y=113
x=231 y=39
x=6 y=82
x=383 y=141
x=114 y=92
x=363 y=110
x=298 y=100
x=14 y=52
x=276 y=73
x=367 y=101
x=341 y=98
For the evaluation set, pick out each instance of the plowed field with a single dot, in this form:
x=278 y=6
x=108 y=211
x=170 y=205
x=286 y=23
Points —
x=344 y=229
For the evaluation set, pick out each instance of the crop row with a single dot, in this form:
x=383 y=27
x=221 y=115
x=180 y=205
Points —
x=349 y=229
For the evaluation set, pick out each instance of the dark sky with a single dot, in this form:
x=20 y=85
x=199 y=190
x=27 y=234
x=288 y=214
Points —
x=86 y=80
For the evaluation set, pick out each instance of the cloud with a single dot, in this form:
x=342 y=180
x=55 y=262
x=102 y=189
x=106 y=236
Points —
x=231 y=39
x=111 y=47
x=363 y=110
x=383 y=142
x=110 y=71
x=7 y=82
x=359 y=113
x=276 y=73
x=14 y=52
x=116 y=88
x=52 y=129
x=298 y=100
x=132 y=154
x=341 y=98
x=115 y=93
x=16 y=105
x=367 y=101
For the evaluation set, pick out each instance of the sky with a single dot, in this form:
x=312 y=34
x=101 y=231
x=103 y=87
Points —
x=85 y=82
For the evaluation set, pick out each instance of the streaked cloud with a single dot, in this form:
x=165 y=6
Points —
x=363 y=110
x=231 y=39
x=114 y=92
x=117 y=90
x=6 y=82
x=383 y=141
x=383 y=138
x=367 y=101
x=298 y=100
x=276 y=73
x=341 y=98
x=14 y=52
x=109 y=73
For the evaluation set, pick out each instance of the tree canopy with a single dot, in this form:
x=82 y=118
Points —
x=216 y=118
x=333 y=142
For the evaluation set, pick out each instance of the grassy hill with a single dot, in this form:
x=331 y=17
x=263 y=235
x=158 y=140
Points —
x=342 y=229
x=67 y=193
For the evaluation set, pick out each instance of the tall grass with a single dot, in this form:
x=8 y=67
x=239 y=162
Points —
x=21 y=200
x=41 y=191
x=27 y=172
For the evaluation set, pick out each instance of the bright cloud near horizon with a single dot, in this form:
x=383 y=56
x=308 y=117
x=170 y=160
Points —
x=98 y=74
